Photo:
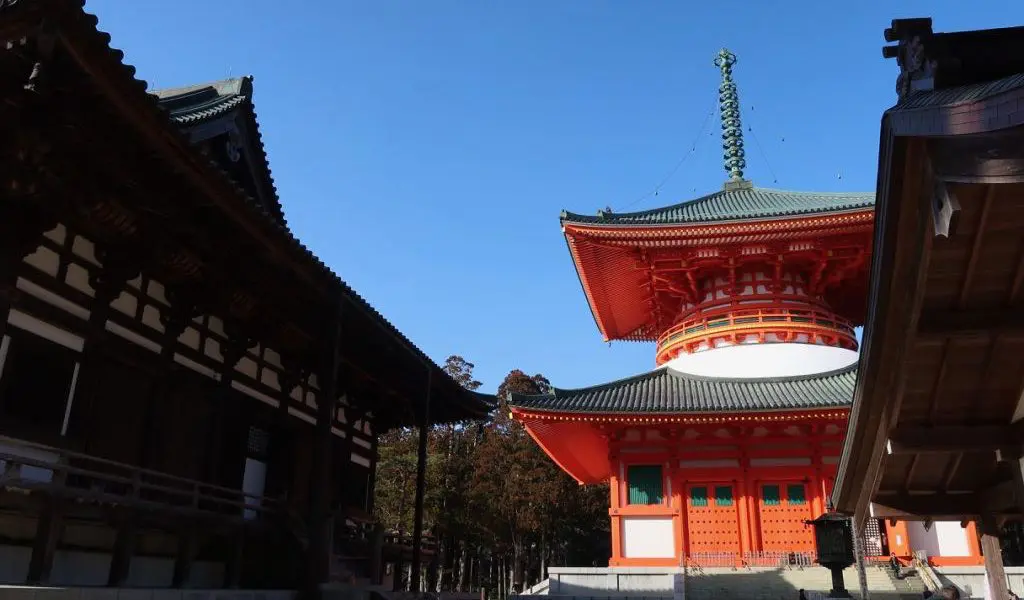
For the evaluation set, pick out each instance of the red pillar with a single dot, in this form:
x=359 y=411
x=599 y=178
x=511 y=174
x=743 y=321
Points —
x=614 y=505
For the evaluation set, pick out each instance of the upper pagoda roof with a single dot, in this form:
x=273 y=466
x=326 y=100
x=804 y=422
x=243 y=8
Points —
x=666 y=391
x=734 y=203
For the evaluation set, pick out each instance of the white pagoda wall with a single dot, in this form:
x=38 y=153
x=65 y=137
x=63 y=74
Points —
x=764 y=360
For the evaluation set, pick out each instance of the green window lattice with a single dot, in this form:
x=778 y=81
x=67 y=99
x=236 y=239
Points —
x=698 y=496
x=645 y=484
x=796 y=494
x=723 y=495
x=770 y=495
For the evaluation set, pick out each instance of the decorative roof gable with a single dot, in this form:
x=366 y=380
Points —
x=220 y=119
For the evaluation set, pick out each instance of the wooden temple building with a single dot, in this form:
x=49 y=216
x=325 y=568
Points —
x=719 y=455
x=937 y=427
x=188 y=396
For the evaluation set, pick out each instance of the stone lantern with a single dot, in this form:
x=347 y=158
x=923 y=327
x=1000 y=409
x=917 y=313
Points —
x=833 y=536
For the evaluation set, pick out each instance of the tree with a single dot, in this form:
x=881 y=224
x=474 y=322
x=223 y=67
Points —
x=501 y=509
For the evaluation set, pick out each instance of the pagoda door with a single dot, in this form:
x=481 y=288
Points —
x=712 y=523
x=783 y=507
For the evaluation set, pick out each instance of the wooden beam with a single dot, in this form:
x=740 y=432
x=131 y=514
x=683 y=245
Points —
x=908 y=439
x=970 y=323
x=975 y=252
x=983 y=159
x=996 y=500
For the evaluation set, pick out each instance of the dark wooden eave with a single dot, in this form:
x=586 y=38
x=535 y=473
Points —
x=934 y=431
x=141 y=188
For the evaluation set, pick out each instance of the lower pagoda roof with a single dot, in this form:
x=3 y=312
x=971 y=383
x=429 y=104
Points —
x=666 y=391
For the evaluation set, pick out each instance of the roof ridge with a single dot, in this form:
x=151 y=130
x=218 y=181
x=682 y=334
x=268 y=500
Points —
x=226 y=86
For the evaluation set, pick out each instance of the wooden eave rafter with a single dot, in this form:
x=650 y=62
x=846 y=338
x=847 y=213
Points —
x=998 y=500
x=969 y=143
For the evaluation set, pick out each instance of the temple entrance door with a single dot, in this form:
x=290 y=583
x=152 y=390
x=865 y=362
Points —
x=712 y=524
x=782 y=509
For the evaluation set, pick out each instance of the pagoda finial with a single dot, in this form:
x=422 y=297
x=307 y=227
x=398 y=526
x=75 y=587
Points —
x=729 y=107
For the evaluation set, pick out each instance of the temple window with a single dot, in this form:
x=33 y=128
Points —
x=645 y=484
x=795 y=493
x=770 y=495
x=35 y=382
x=698 y=496
x=723 y=495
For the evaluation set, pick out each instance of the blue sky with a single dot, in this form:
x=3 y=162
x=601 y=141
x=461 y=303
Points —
x=424 y=149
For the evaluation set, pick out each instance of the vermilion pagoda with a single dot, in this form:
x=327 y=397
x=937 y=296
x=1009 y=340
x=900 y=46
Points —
x=752 y=296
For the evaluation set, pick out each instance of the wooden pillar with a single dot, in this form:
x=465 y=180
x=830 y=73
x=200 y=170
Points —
x=421 y=488
x=280 y=463
x=119 y=264
x=124 y=548
x=235 y=563
x=994 y=572
x=174 y=320
x=371 y=484
x=188 y=547
x=49 y=526
x=48 y=531
x=318 y=561
x=238 y=343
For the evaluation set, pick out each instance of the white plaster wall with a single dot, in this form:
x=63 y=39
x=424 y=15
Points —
x=944 y=538
x=647 y=537
x=764 y=360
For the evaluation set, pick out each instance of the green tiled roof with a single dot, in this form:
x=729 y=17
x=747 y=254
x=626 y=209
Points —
x=667 y=391
x=194 y=103
x=735 y=203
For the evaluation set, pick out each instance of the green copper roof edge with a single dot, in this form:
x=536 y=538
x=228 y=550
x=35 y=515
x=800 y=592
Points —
x=858 y=201
x=666 y=371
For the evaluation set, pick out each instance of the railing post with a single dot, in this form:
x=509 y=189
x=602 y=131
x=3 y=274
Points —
x=48 y=531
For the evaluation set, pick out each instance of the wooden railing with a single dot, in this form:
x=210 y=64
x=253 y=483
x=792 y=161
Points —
x=767 y=320
x=89 y=478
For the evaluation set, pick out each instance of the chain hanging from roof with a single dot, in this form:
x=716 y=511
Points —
x=729 y=108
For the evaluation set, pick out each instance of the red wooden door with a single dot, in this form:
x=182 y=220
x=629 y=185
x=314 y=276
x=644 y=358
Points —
x=712 y=523
x=782 y=508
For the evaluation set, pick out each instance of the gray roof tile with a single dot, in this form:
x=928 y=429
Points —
x=666 y=391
